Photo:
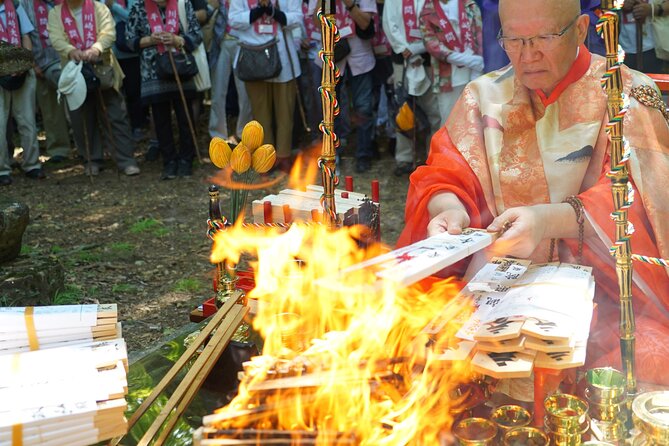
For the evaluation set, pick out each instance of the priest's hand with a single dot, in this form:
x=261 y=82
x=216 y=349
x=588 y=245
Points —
x=451 y=220
x=447 y=214
x=522 y=230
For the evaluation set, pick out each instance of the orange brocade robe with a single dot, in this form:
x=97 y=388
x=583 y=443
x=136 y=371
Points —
x=506 y=146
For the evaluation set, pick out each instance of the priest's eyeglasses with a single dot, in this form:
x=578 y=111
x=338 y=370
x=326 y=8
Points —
x=542 y=42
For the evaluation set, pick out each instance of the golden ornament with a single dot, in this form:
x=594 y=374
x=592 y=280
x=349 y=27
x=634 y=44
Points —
x=264 y=158
x=252 y=135
x=240 y=160
x=219 y=152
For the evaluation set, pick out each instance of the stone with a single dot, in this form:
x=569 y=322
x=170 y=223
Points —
x=31 y=281
x=14 y=217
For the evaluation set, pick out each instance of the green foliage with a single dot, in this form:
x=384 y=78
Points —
x=188 y=285
x=55 y=249
x=89 y=257
x=124 y=288
x=72 y=294
x=122 y=247
x=27 y=250
x=149 y=225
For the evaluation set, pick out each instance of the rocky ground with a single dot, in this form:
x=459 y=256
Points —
x=141 y=243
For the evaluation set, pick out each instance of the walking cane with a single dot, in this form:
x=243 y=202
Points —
x=300 y=106
x=185 y=103
x=87 y=146
x=105 y=118
x=639 y=45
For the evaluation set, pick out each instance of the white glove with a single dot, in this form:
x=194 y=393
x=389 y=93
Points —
x=466 y=59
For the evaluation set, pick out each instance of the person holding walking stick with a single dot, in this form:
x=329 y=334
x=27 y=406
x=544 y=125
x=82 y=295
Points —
x=637 y=37
x=153 y=30
x=83 y=31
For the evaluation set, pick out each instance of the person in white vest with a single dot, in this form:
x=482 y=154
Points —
x=400 y=21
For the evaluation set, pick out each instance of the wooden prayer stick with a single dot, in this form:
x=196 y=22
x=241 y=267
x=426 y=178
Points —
x=198 y=370
x=203 y=372
x=183 y=360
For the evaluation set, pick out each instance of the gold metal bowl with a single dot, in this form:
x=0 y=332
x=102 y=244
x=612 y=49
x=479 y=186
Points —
x=525 y=436
x=475 y=432
x=651 y=415
x=606 y=386
x=565 y=411
x=510 y=416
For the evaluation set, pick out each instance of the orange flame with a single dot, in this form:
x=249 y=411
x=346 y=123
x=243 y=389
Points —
x=340 y=362
x=299 y=177
x=224 y=178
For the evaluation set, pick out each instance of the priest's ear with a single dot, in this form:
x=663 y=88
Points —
x=581 y=25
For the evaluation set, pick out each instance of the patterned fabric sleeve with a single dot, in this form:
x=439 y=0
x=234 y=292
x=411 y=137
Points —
x=194 y=35
x=134 y=29
x=428 y=20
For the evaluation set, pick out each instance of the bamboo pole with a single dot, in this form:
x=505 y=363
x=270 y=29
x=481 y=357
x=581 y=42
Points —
x=619 y=185
x=327 y=161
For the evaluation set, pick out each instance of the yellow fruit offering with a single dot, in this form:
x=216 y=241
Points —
x=240 y=160
x=264 y=158
x=219 y=152
x=252 y=135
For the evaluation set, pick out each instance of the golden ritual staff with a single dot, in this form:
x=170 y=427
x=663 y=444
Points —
x=329 y=78
x=612 y=82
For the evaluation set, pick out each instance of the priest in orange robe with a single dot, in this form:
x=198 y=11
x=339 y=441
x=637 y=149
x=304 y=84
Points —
x=526 y=145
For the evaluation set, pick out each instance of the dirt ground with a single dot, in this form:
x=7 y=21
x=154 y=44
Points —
x=141 y=242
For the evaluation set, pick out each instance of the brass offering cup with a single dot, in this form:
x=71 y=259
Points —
x=475 y=432
x=525 y=436
x=510 y=416
x=606 y=386
x=566 y=411
x=651 y=417
x=566 y=419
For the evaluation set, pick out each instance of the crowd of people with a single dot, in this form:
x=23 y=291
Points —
x=106 y=71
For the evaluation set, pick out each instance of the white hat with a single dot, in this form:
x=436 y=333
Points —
x=417 y=81
x=73 y=85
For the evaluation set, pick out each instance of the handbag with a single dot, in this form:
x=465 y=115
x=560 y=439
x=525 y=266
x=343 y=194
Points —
x=11 y=83
x=258 y=62
x=202 y=79
x=183 y=61
x=342 y=49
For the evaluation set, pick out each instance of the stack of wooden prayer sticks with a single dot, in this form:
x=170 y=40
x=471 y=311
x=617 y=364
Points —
x=207 y=349
x=58 y=384
x=33 y=328
x=291 y=205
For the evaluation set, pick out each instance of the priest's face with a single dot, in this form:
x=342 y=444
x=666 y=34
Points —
x=541 y=38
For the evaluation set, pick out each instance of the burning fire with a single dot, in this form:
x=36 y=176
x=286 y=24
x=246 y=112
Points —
x=344 y=361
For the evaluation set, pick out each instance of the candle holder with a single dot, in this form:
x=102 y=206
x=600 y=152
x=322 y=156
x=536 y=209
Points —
x=509 y=417
x=475 y=432
x=566 y=419
x=525 y=436
x=606 y=396
x=651 y=416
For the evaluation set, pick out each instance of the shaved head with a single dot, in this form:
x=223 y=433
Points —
x=559 y=9
x=535 y=67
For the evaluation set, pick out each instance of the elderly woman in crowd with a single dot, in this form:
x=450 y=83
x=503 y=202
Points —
x=153 y=28
x=257 y=22
x=83 y=31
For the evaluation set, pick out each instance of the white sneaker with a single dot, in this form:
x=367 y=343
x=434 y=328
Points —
x=131 y=170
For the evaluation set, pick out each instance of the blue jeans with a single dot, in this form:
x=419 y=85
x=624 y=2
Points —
x=363 y=104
